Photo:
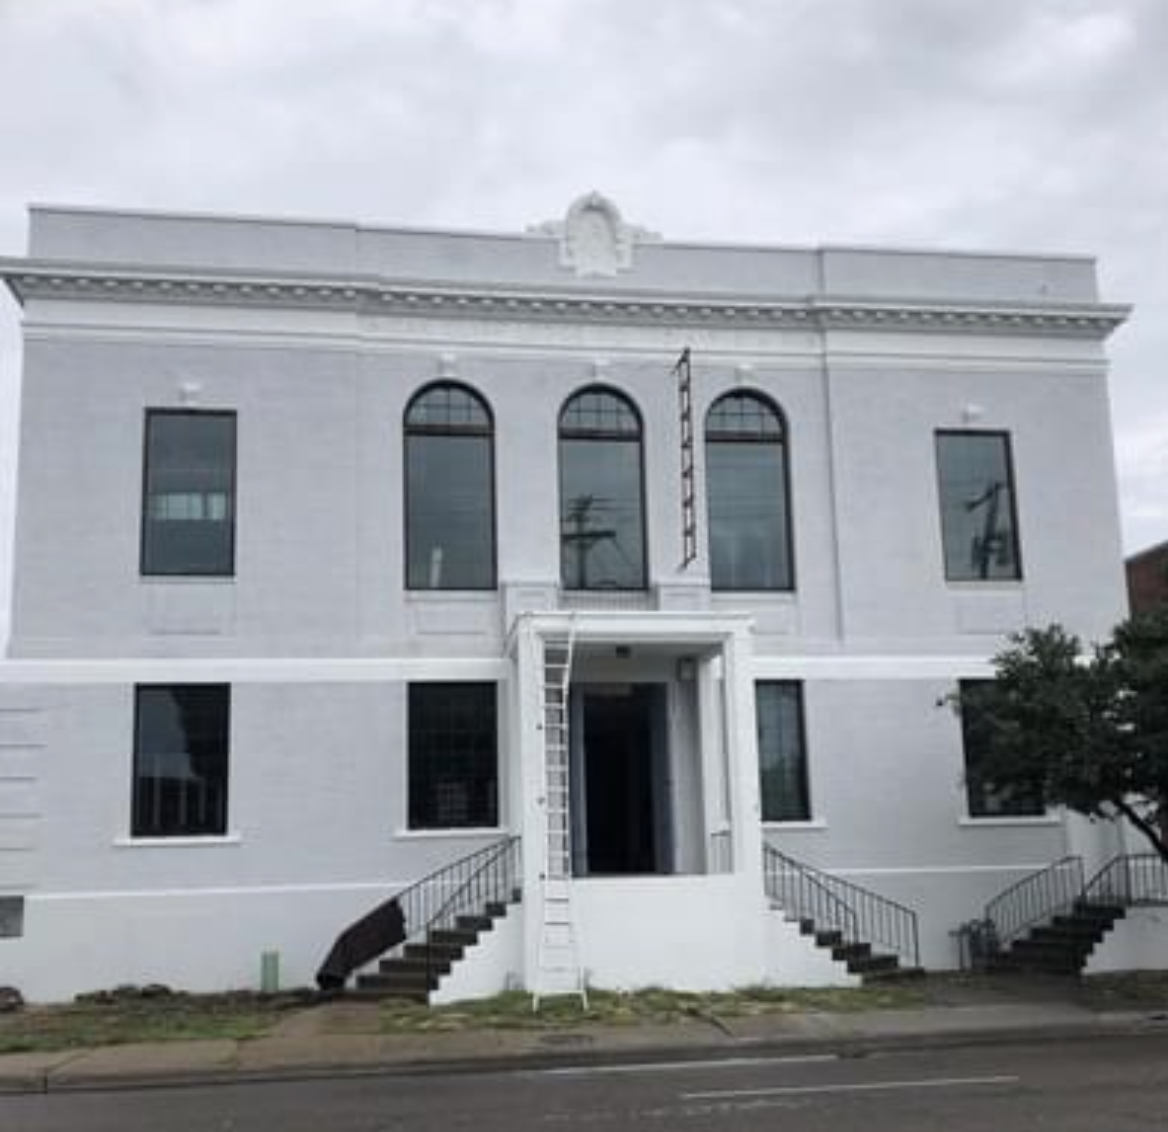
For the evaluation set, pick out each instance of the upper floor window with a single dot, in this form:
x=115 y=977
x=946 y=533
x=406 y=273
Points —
x=180 y=759
x=602 y=514
x=188 y=511
x=979 y=526
x=747 y=500
x=450 y=491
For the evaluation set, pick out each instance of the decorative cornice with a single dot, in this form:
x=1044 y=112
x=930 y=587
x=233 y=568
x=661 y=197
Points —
x=30 y=279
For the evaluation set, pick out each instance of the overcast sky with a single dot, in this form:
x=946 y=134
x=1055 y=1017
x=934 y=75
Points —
x=1031 y=124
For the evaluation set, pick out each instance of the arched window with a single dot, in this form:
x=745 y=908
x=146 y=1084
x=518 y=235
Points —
x=602 y=513
x=747 y=497
x=450 y=490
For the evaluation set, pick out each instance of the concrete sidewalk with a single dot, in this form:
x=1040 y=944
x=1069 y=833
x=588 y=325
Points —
x=340 y=1038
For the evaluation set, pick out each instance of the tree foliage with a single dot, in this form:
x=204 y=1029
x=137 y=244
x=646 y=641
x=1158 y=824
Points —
x=1083 y=729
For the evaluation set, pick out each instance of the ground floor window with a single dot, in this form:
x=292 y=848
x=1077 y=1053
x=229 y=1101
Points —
x=453 y=756
x=984 y=800
x=782 y=754
x=181 y=738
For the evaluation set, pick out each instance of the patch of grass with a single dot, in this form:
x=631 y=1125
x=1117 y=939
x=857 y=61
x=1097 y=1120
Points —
x=117 y=1021
x=652 y=1005
x=1128 y=990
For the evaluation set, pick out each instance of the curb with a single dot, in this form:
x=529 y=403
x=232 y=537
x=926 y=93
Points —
x=843 y=1046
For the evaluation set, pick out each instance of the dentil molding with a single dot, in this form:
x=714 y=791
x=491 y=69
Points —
x=45 y=280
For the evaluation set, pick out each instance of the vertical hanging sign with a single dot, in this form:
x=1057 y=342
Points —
x=689 y=527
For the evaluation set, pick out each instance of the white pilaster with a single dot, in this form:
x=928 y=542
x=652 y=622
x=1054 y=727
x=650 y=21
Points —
x=742 y=753
x=713 y=758
x=528 y=734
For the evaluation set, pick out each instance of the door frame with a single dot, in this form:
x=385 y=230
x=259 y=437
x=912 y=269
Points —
x=659 y=755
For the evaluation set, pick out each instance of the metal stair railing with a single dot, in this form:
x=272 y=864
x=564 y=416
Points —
x=857 y=913
x=488 y=875
x=1131 y=878
x=1035 y=899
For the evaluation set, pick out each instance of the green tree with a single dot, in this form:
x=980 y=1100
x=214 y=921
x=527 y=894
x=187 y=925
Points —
x=1085 y=730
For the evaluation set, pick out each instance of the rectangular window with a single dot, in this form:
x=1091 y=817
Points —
x=979 y=526
x=188 y=506
x=983 y=800
x=11 y=917
x=453 y=753
x=181 y=738
x=782 y=755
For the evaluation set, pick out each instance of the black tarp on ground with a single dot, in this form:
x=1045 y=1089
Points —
x=369 y=937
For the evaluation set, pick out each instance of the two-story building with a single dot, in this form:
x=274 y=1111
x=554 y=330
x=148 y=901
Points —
x=344 y=553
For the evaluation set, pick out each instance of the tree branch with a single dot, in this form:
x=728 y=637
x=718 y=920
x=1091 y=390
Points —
x=1150 y=831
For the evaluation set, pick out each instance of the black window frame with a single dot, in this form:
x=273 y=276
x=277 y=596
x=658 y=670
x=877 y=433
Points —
x=140 y=827
x=575 y=433
x=804 y=808
x=1006 y=439
x=782 y=440
x=981 y=803
x=145 y=569
x=424 y=429
x=418 y=819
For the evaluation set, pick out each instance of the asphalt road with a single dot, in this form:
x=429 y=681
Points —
x=1108 y=1085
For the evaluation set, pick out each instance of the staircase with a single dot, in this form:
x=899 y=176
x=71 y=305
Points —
x=417 y=971
x=1061 y=946
x=441 y=918
x=876 y=938
x=1052 y=920
x=558 y=969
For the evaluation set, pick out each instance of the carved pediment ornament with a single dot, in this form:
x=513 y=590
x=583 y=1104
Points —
x=594 y=239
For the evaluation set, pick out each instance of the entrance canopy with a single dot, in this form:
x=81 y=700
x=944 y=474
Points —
x=638 y=754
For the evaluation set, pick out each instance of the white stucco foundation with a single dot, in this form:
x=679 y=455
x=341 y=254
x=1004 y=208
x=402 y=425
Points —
x=709 y=933
x=192 y=941
x=492 y=966
x=1138 y=942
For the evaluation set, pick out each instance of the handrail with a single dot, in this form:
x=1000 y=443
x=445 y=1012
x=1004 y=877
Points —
x=485 y=876
x=858 y=914
x=1131 y=878
x=1036 y=899
x=424 y=901
x=492 y=881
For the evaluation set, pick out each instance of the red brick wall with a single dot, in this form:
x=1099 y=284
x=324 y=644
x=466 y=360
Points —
x=1147 y=579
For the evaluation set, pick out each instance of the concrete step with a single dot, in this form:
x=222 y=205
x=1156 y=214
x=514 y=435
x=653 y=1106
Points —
x=411 y=964
x=1090 y=910
x=847 y=952
x=456 y=936
x=1071 y=935
x=398 y=985
x=867 y=964
x=897 y=974
x=450 y=952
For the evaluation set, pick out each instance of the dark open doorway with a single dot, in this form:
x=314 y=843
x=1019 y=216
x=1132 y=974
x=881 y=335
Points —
x=621 y=780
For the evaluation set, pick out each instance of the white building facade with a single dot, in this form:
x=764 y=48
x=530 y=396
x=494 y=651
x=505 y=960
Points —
x=336 y=545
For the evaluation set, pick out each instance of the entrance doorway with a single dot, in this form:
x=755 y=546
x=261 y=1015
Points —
x=620 y=764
